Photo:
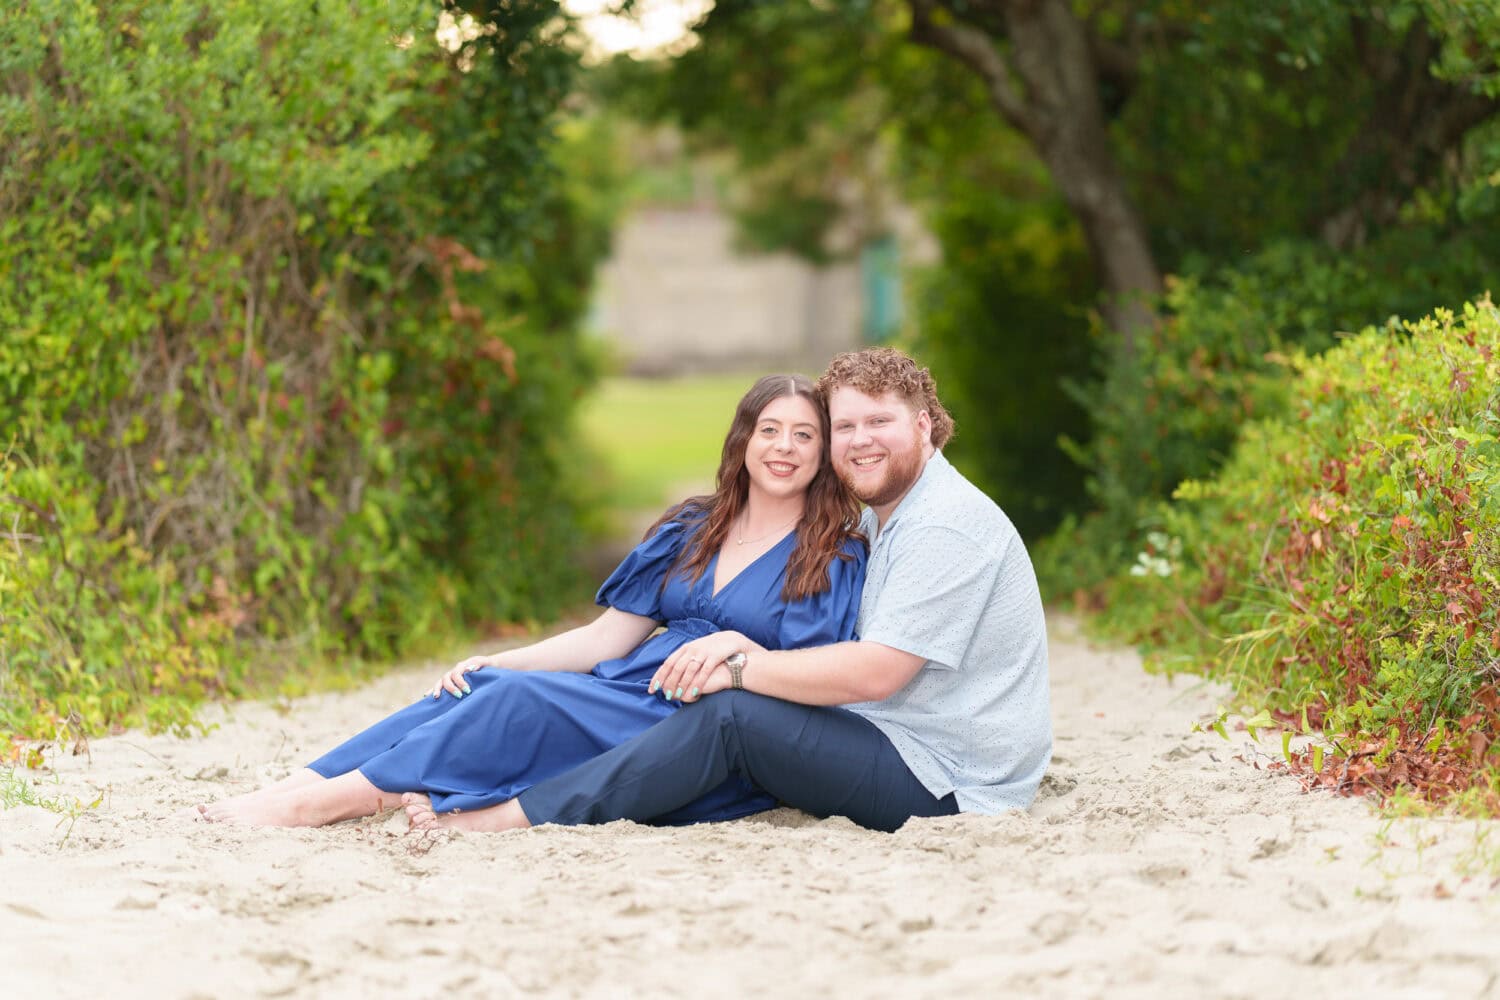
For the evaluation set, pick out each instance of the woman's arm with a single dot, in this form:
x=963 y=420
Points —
x=614 y=633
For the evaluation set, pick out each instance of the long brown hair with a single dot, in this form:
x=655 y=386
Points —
x=829 y=516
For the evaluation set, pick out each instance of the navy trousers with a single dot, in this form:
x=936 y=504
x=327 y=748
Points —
x=826 y=761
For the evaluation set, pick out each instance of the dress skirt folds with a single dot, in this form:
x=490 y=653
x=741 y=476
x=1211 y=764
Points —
x=519 y=727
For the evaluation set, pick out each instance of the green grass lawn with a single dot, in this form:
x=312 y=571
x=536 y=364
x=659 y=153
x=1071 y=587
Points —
x=658 y=440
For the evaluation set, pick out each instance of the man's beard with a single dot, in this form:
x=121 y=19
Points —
x=902 y=470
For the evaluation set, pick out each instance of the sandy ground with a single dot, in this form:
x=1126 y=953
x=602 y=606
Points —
x=1154 y=863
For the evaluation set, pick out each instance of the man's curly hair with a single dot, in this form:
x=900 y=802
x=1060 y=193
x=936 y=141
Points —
x=876 y=371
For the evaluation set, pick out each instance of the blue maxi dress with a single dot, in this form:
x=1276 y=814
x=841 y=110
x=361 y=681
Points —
x=520 y=727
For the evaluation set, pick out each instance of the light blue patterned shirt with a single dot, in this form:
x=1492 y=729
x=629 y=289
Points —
x=949 y=580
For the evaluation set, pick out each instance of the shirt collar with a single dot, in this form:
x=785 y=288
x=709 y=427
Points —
x=935 y=468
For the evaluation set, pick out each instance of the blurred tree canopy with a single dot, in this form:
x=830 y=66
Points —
x=1069 y=154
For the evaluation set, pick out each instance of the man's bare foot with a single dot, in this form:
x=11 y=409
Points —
x=419 y=812
x=505 y=816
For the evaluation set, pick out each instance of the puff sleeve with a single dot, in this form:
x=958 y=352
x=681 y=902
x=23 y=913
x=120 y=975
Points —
x=636 y=584
x=828 y=617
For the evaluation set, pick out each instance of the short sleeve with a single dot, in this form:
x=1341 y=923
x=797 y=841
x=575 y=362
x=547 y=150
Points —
x=636 y=584
x=828 y=617
x=930 y=614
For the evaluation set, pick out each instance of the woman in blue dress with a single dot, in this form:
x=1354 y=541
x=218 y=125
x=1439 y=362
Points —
x=772 y=553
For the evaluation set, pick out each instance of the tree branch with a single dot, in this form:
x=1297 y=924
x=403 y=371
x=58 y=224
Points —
x=974 y=49
x=1414 y=122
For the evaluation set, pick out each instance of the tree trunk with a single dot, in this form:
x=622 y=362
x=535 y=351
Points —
x=1046 y=86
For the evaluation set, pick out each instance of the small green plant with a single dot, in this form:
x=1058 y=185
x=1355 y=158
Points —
x=22 y=787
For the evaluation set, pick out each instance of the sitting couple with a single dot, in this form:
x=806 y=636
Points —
x=877 y=667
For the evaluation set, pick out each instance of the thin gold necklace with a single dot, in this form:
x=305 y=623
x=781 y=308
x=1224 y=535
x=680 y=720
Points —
x=740 y=538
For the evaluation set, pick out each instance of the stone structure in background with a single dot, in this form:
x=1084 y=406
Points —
x=677 y=297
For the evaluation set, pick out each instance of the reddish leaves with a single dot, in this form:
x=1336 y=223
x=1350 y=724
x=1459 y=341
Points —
x=1436 y=770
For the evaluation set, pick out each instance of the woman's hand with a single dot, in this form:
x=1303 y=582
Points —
x=696 y=668
x=453 y=681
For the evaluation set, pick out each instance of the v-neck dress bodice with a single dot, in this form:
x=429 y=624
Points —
x=518 y=727
x=750 y=602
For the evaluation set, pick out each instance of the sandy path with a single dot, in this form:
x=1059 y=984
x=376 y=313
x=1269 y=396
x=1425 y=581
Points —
x=1152 y=864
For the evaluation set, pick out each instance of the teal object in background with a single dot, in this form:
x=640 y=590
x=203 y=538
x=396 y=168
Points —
x=880 y=289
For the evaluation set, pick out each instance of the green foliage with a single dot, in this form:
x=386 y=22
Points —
x=1470 y=54
x=1244 y=132
x=1344 y=565
x=23 y=788
x=828 y=111
x=1173 y=409
x=993 y=319
x=792 y=90
x=288 y=295
x=1233 y=136
x=659 y=440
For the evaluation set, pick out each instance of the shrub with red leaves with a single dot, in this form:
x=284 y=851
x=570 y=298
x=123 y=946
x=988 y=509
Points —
x=1344 y=567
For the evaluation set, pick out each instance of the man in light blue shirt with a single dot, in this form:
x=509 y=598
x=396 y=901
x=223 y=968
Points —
x=941 y=704
x=949 y=581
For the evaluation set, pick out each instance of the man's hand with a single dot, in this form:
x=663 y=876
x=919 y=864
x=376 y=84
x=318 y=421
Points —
x=697 y=667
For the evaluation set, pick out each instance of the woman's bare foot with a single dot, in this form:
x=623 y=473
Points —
x=506 y=816
x=237 y=804
x=257 y=809
x=300 y=778
x=304 y=803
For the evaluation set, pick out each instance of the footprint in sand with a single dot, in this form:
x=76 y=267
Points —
x=136 y=903
x=1160 y=875
x=1055 y=928
x=1269 y=847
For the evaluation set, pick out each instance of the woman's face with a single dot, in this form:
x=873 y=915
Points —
x=785 y=448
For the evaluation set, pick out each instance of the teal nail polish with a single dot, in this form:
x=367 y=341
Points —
x=679 y=694
x=654 y=686
x=693 y=693
x=468 y=690
x=459 y=695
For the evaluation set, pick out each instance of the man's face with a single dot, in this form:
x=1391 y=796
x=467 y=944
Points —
x=879 y=445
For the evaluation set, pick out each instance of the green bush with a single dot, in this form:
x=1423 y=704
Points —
x=1173 y=408
x=1001 y=345
x=261 y=399
x=1344 y=565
